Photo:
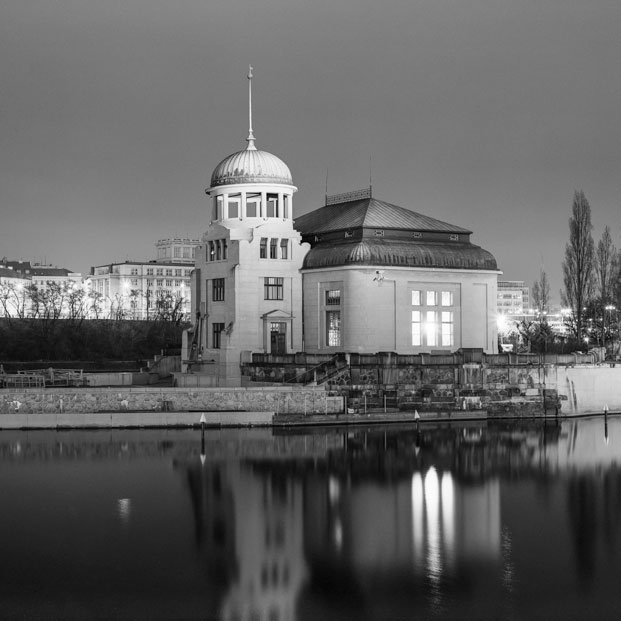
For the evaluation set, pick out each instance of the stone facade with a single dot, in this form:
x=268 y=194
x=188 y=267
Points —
x=121 y=399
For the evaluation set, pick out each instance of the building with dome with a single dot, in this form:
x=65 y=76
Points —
x=247 y=285
x=355 y=275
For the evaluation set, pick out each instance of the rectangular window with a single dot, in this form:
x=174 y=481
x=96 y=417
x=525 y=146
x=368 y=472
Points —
x=225 y=249
x=234 y=204
x=273 y=248
x=177 y=272
x=177 y=283
x=263 y=248
x=333 y=297
x=273 y=288
x=159 y=271
x=431 y=328
x=149 y=283
x=218 y=250
x=253 y=205
x=272 y=205
x=447 y=328
x=169 y=272
x=216 y=335
x=432 y=298
x=134 y=282
x=447 y=298
x=333 y=328
x=177 y=252
x=284 y=248
x=285 y=200
x=134 y=271
x=416 y=331
x=159 y=282
x=169 y=282
x=218 y=290
x=218 y=208
x=149 y=271
x=415 y=298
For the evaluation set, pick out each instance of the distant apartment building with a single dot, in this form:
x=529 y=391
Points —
x=513 y=297
x=146 y=289
x=177 y=250
x=18 y=280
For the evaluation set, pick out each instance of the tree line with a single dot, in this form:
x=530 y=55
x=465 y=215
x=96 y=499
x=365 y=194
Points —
x=591 y=293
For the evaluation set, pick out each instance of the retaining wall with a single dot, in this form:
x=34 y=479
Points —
x=122 y=399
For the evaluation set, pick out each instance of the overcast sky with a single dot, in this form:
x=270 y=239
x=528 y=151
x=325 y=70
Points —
x=485 y=114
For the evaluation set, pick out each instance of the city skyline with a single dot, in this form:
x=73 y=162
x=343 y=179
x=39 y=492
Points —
x=487 y=117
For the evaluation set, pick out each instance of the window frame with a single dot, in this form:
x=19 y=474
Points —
x=218 y=289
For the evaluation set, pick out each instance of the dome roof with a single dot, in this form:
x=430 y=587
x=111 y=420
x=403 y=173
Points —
x=251 y=166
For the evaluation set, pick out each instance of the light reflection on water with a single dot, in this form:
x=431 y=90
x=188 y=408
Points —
x=445 y=521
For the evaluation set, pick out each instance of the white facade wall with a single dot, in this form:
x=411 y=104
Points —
x=376 y=308
x=244 y=312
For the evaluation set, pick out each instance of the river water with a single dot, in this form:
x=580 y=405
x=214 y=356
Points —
x=497 y=521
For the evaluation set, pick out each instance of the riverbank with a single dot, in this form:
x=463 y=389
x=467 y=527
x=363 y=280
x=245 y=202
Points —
x=146 y=420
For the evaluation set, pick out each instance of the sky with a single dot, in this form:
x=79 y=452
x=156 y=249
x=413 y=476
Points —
x=487 y=114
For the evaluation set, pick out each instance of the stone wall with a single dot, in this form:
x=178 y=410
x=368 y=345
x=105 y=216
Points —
x=119 y=399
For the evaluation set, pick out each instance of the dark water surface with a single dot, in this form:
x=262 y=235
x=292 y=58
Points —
x=510 y=521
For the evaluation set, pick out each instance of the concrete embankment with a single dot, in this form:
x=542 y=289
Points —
x=125 y=420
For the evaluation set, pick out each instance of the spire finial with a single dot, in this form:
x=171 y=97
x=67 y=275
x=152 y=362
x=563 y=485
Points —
x=250 y=138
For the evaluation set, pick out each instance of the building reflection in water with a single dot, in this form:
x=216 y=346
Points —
x=280 y=535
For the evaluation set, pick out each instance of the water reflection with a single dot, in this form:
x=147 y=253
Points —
x=448 y=521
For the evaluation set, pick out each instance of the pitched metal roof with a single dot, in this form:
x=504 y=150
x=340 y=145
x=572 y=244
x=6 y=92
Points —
x=369 y=213
x=390 y=252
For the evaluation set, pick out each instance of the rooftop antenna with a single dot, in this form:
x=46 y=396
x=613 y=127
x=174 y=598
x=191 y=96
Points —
x=370 y=179
x=250 y=138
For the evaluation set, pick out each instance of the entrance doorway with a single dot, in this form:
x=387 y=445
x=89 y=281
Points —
x=278 y=338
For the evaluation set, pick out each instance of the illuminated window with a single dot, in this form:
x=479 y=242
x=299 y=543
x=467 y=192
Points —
x=447 y=328
x=415 y=298
x=416 y=329
x=432 y=298
x=447 y=298
x=431 y=328
x=333 y=328
x=333 y=297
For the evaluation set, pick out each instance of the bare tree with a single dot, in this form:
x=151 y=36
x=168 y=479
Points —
x=541 y=295
x=578 y=264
